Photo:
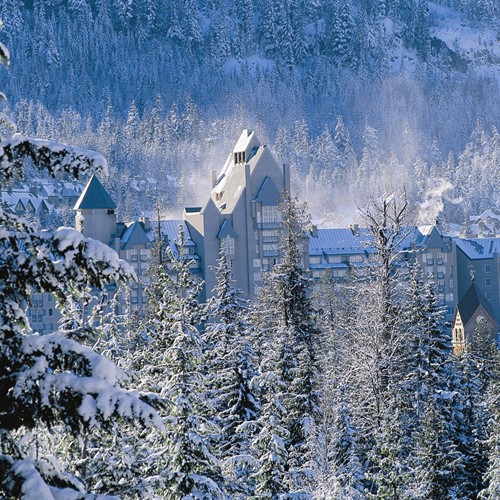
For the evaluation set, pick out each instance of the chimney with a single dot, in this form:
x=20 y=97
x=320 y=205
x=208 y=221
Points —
x=146 y=222
x=213 y=175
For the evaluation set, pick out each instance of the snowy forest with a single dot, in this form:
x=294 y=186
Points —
x=332 y=391
x=360 y=97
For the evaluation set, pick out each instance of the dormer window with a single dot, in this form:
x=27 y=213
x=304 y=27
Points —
x=239 y=157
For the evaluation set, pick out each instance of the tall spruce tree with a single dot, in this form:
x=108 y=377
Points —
x=231 y=379
x=285 y=305
x=51 y=380
x=192 y=468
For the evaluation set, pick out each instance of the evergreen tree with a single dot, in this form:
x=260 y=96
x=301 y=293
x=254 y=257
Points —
x=53 y=379
x=270 y=442
x=492 y=475
x=192 y=468
x=284 y=301
x=231 y=378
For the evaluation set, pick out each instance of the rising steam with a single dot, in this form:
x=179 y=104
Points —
x=433 y=203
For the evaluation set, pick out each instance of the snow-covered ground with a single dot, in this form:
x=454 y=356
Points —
x=477 y=44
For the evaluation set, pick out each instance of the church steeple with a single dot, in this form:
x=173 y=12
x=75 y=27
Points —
x=95 y=212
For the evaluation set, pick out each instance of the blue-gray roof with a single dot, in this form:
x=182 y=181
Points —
x=268 y=193
x=337 y=241
x=469 y=303
x=136 y=234
x=479 y=248
x=94 y=196
x=226 y=229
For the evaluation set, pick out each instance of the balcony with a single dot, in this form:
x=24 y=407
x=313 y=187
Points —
x=270 y=253
x=268 y=225
x=270 y=239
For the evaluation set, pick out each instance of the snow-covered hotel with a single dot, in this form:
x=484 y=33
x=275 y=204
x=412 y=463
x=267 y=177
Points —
x=242 y=213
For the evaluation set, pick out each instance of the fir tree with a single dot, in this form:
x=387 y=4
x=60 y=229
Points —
x=231 y=378
x=54 y=379
x=285 y=303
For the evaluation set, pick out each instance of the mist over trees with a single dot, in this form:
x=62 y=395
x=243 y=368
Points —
x=359 y=97
x=347 y=391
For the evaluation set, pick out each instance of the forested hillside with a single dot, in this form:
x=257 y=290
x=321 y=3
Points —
x=163 y=88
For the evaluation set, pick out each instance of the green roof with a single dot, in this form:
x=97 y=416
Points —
x=94 y=196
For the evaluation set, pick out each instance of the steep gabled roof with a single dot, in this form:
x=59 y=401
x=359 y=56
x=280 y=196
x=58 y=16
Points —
x=470 y=302
x=268 y=193
x=226 y=229
x=135 y=234
x=94 y=196
x=431 y=237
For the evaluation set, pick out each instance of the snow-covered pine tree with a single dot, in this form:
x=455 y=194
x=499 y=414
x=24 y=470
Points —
x=285 y=305
x=429 y=346
x=478 y=369
x=53 y=379
x=231 y=379
x=270 y=442
x=492 y=475
x=339 y=470
x=193 y=471
x=433 y=385
x=114 y=462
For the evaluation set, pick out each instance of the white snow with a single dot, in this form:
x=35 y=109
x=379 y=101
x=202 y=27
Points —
x=34 y=487
x=476 y=44
x=252 y=63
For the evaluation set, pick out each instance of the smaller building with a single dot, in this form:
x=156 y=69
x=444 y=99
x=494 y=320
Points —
x=472 y=309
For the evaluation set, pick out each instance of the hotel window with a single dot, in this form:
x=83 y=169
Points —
x=268 y=236
x=487 y=281
x=335 y=259
x=356 y=258
x=270 y=214
x=487 y=268
x=229 y=242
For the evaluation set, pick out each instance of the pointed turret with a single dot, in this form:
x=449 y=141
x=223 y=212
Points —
x=95 y=212
x=94 y=196
x=472 y=308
